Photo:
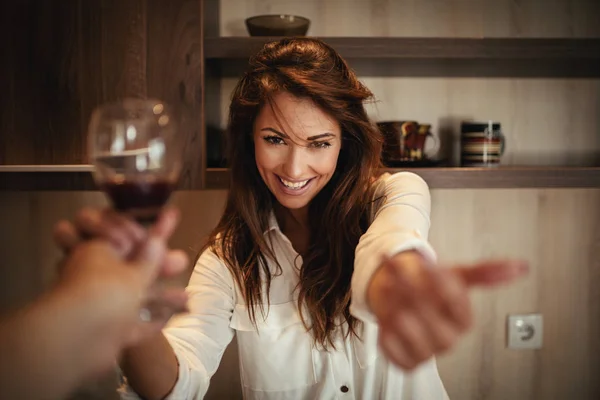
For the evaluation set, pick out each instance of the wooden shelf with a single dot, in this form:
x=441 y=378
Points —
x=452 y=57
x=46 y=177
x=80 y=178
x=476 y=178
x=424 y=48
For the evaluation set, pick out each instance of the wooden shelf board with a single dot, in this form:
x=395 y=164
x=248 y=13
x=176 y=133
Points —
x=438 y=178
x=425 y=48
x=46 y=180
x=473 y=178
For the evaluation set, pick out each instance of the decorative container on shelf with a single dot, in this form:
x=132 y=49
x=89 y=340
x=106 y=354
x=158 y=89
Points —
x=277 y=25
x=406 y=144
x=481 y=144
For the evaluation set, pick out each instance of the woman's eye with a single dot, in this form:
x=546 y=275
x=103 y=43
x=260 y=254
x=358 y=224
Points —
x=321 y=145
x=274 y=140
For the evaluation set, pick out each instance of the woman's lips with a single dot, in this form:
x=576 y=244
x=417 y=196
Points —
x=292 y=191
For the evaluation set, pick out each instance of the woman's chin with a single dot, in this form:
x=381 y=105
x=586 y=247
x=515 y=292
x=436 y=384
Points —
x=292 y=204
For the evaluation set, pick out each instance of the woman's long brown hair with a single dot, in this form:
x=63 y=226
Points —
x=306 y=68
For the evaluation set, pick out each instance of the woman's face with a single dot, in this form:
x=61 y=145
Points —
x=296 y=147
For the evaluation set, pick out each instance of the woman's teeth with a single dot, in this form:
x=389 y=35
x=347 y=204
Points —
x=294 y=185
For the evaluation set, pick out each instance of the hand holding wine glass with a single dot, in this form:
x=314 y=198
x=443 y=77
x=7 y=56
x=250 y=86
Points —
x=127 y=239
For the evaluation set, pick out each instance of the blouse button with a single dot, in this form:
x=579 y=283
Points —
x=344 y=389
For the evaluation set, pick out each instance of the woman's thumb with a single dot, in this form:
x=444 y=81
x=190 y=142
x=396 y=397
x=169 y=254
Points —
x=493 y=272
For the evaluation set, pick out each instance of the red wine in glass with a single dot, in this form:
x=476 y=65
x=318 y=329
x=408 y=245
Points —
x=136 y=150
x=142 y=200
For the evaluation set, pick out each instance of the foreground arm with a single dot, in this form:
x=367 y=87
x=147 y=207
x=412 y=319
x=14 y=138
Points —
x=76 y=330
x=196 y=340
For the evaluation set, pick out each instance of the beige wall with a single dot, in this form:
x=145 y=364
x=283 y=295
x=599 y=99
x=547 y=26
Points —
x=558 y=231
x=426 y=18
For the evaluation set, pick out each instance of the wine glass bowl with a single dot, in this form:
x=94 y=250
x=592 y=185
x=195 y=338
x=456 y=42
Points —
x=136 y=152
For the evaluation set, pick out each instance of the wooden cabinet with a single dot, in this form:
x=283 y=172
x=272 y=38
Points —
x=62 y=58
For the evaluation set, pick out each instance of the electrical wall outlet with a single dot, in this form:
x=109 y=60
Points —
x=525 y=331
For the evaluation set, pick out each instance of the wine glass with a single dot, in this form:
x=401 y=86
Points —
x=137 y=156
x=136 y=152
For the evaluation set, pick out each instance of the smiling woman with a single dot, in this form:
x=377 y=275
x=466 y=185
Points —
x=320 y=268
x=318 y=188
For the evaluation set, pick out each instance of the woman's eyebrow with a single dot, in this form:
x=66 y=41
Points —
x=275 y=132
x=311 y=138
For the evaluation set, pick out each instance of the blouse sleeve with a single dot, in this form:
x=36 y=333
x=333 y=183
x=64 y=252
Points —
x=200 y=337
x=401 y=222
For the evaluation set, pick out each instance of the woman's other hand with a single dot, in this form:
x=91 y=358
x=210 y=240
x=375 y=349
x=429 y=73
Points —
x=422 y=309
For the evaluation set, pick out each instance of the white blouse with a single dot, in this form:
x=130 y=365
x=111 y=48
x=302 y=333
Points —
x=278 y=358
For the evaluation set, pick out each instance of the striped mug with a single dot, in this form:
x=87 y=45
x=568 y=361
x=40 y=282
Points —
x=481 y=143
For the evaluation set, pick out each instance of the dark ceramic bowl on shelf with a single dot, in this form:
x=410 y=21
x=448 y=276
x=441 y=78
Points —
x=277 y=25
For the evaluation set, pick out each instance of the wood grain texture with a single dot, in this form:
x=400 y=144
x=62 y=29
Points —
x=25 y=181
x=466 y=178
x=139 y=48
x=434 y=18
x=64 y=58
x=558 y=233
x=20 y=269
x=174 y=74
x=211 y=95
x=582 y=50
x=442 y=177
x=450 y=68
x=470 y=225
x=435 y=57
x=39 y=82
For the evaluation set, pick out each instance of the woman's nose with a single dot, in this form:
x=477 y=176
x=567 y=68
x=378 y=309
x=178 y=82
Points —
x=293 y=165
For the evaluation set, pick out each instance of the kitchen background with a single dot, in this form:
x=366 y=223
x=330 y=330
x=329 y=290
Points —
x=62 y=58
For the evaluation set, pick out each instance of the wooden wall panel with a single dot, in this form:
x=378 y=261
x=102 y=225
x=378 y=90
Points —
x=19 y=268
x=174 y=74
x=558 y=231
x=61 y=59
x=432 y=18
x=39 y=82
